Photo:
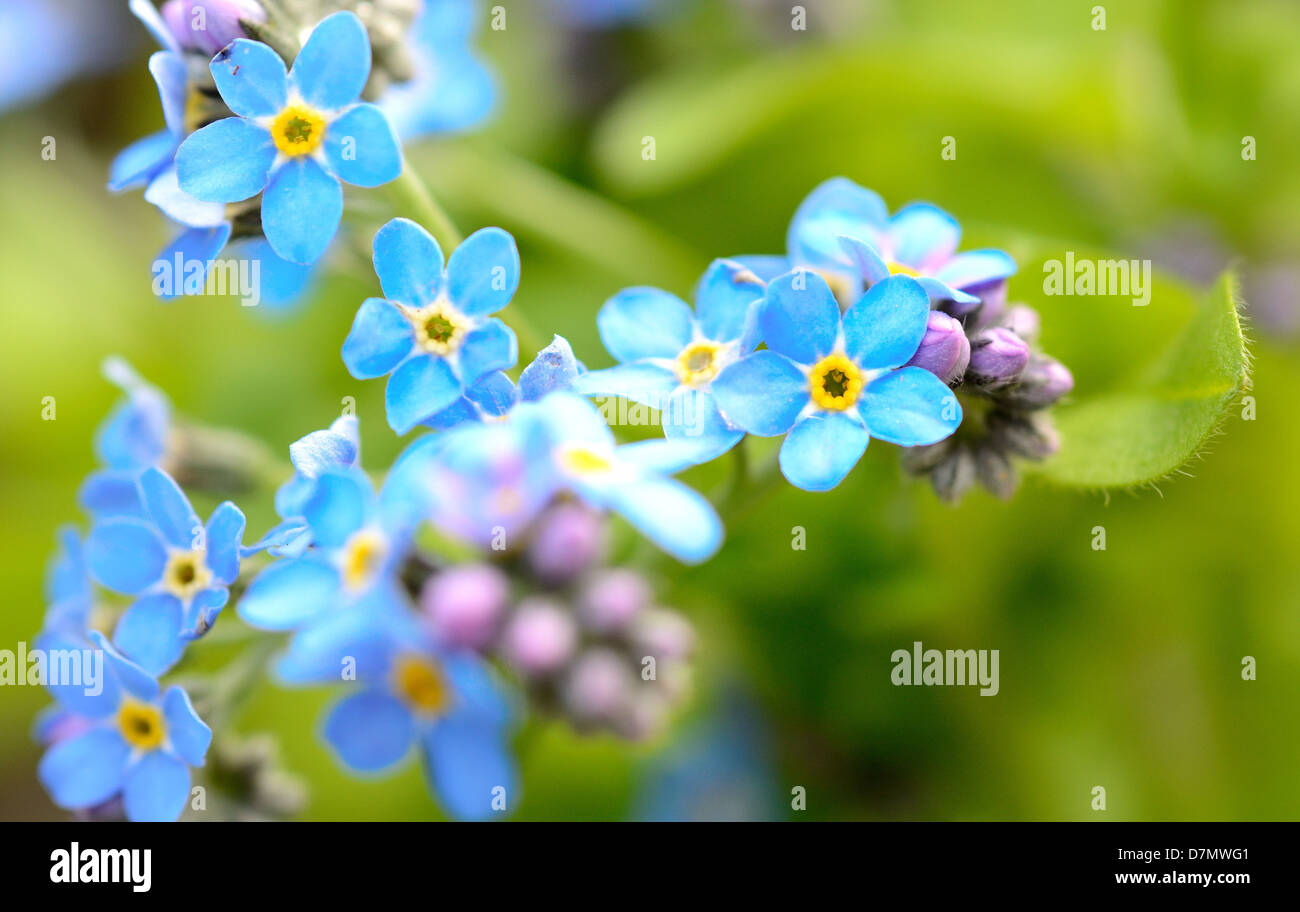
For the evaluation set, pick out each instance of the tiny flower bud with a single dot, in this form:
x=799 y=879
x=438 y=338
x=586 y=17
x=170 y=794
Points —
x=953 y=477
x=209 y=25
x=465 y=604
x=997 y=356
x=612 y=599
x=663 y=634
x=918 y=460
x=1025 y=435
x=598 y=686
x=995 y=472
x=944 y=350
x=1043 y=381
x=1023 y=321
x=540 y=637
x=993 y=300
x=569 y=539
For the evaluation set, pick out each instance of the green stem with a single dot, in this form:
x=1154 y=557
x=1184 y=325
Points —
x=413 y=198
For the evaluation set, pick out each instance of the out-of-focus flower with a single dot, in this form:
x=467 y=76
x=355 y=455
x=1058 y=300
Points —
x=434 y=332
x=178 y=568
x=133 y=437
x=834 y=382
x=45 y=43
x=670 y=356
x=296 y=135
x=465 y=604
x=493 y=394
x=129 y=741
x=567 y=540
x=209 y=25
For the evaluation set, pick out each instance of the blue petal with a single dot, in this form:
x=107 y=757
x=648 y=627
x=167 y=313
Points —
x=190 y=735
x=333 y=66
x=837 y=208
x=466 y=760
x=171 y=74
x=676 y=453
x=490 y=347
x=408 y=262
x=66 y=577
x=139 y=162
x=301 y=210
x=765 y=266
x=554 y=368
x=75 y=695
x=131 y=676
x=923 y=236
x=226 y=161
x=225 y=535
x=726 y=299
x=762 y=393
x=289 y=593
x=479 y=693
x=940 y=293
x=149 y=633
x=800 y=317
x=821 y=449
x=452 y=90
x=378 y=341
x=483 y=272
x=975 y=267
x=336 y=508
x=370 y=730
x=106 y=494
x=694 y=413
x=165 y=192
x=170 y=510
x=85 y=770
x=493 y=393
x=645 y=322
x=152 y=20
x=172 y=270
x=282 y=284
x=202 y=612
x=572 y=419
x=886 y=326
x=866 y=260
x=640 y=381
x=459 y=412
x=361 y=148
x=251 y=78
x=676 y=518
x=156 y=788
x=909 y=407
x=420 y=387
x=339 y=447
x=125 y=555
x=317 y=653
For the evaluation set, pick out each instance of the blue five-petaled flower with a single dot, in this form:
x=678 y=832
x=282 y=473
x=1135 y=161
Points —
x=296 y=135
x=834 y=382
x=434 y=331
x=178 y=568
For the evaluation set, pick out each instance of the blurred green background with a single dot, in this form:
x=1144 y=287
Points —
x=1119 y=668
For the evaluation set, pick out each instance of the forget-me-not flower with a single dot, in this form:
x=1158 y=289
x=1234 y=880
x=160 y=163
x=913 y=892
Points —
x=831 y=383
x=133 y=437
x=178 y=569
x=433 y=331
x=295 y=136
x=126 y=740
x=494 y=394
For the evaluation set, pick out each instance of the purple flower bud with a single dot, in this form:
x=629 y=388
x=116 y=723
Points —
x=1043 y=381
x=612 y=600
x=540 y=637
x=464 y=604
x=1023 y=321
x=598 y=686
x=664 y=634
x=209 y=25
x=569 y=539
x=944 y=350
x=997 y=356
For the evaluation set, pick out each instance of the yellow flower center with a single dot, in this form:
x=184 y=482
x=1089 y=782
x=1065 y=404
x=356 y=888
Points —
x=185 y=574
x=362 y=554
x=141 y=725
x=699 y=363
x=421 y=684
x=897 y=268
x=835 y=382
x=298 y=130
x=439 y=328
x=579 y=460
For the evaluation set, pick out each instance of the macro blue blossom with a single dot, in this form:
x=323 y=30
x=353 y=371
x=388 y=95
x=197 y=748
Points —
x=68 y=587
x=830 y=383
x=494 y=394
x=451 y=89
x=433 y=331
x=133 y=437
x=296 y=135
x=178 y=569
x=356 y=545
x=670 y=355
x=127 y=740
x=845 y=232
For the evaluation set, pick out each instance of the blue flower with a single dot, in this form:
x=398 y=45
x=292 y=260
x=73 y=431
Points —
x=126 y=740
x=845 y=232
x=670 y=355
x=133 y=437
x=433 y=332
x=68 y=589
x=494 y=394
x=451 y=89
x=357 y=546
x=295 y=136
x=410 y=693
x=178 y=568
x=834 y=382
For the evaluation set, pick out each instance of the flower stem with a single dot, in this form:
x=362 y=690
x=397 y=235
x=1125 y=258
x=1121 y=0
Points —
x=413 y=198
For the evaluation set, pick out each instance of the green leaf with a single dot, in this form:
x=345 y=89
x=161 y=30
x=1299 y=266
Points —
x=1141 y=409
